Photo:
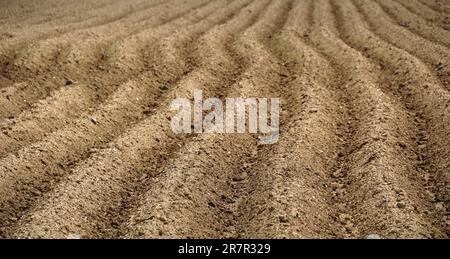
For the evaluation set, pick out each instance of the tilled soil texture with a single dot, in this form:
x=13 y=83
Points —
x=86 y=148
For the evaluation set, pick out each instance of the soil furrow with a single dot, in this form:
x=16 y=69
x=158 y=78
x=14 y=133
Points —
x=217 y=160
x=17 y=43
x=88 y=147
x=415 y=23
x=41 y=15
x=437 y=5
x=98 y=77
x=120 y=166
x=63 y=52
x=45 y=75
x=430 y=15
x=80 y=19
x=62 y=108
x=437 y=57
x=287 y=192
x=128 y=105
x=23 y=8
x=368 y=176
x=429 y=122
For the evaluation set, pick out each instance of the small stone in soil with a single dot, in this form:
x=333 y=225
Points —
x=283 y=219
x=344 y=217
x=440 y=206
x=373 y=236
x=68 y=81
x=401 y=205
x=73 y=236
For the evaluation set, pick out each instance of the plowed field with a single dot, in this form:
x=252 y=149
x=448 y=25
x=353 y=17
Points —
x=86 y=148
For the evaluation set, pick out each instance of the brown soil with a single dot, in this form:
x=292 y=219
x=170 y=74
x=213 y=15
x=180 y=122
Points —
x=86 y=148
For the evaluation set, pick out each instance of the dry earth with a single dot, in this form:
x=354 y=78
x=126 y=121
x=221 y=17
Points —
x=86 y=148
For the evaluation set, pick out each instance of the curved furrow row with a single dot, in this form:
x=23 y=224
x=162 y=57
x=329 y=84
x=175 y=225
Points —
x=338 y=118
x=14 y=41
x=19 y=18
x=428 y=108
x=68 y=103
x=23 y=8
x=436 y=56
x=415 y=23
x=437 y=5
x=373 y=175
x=427 y=13
x=287 y=189
x=131 y=51
x=41 y=60
x=124 y=108
x=197 y=189
x=12 y=75
x=86 y=96
x=46 y=116
x=137 y=90
x=97 y=14
x=109 y=177
x=92 y=50
x=16 y=45
x=83 y=46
